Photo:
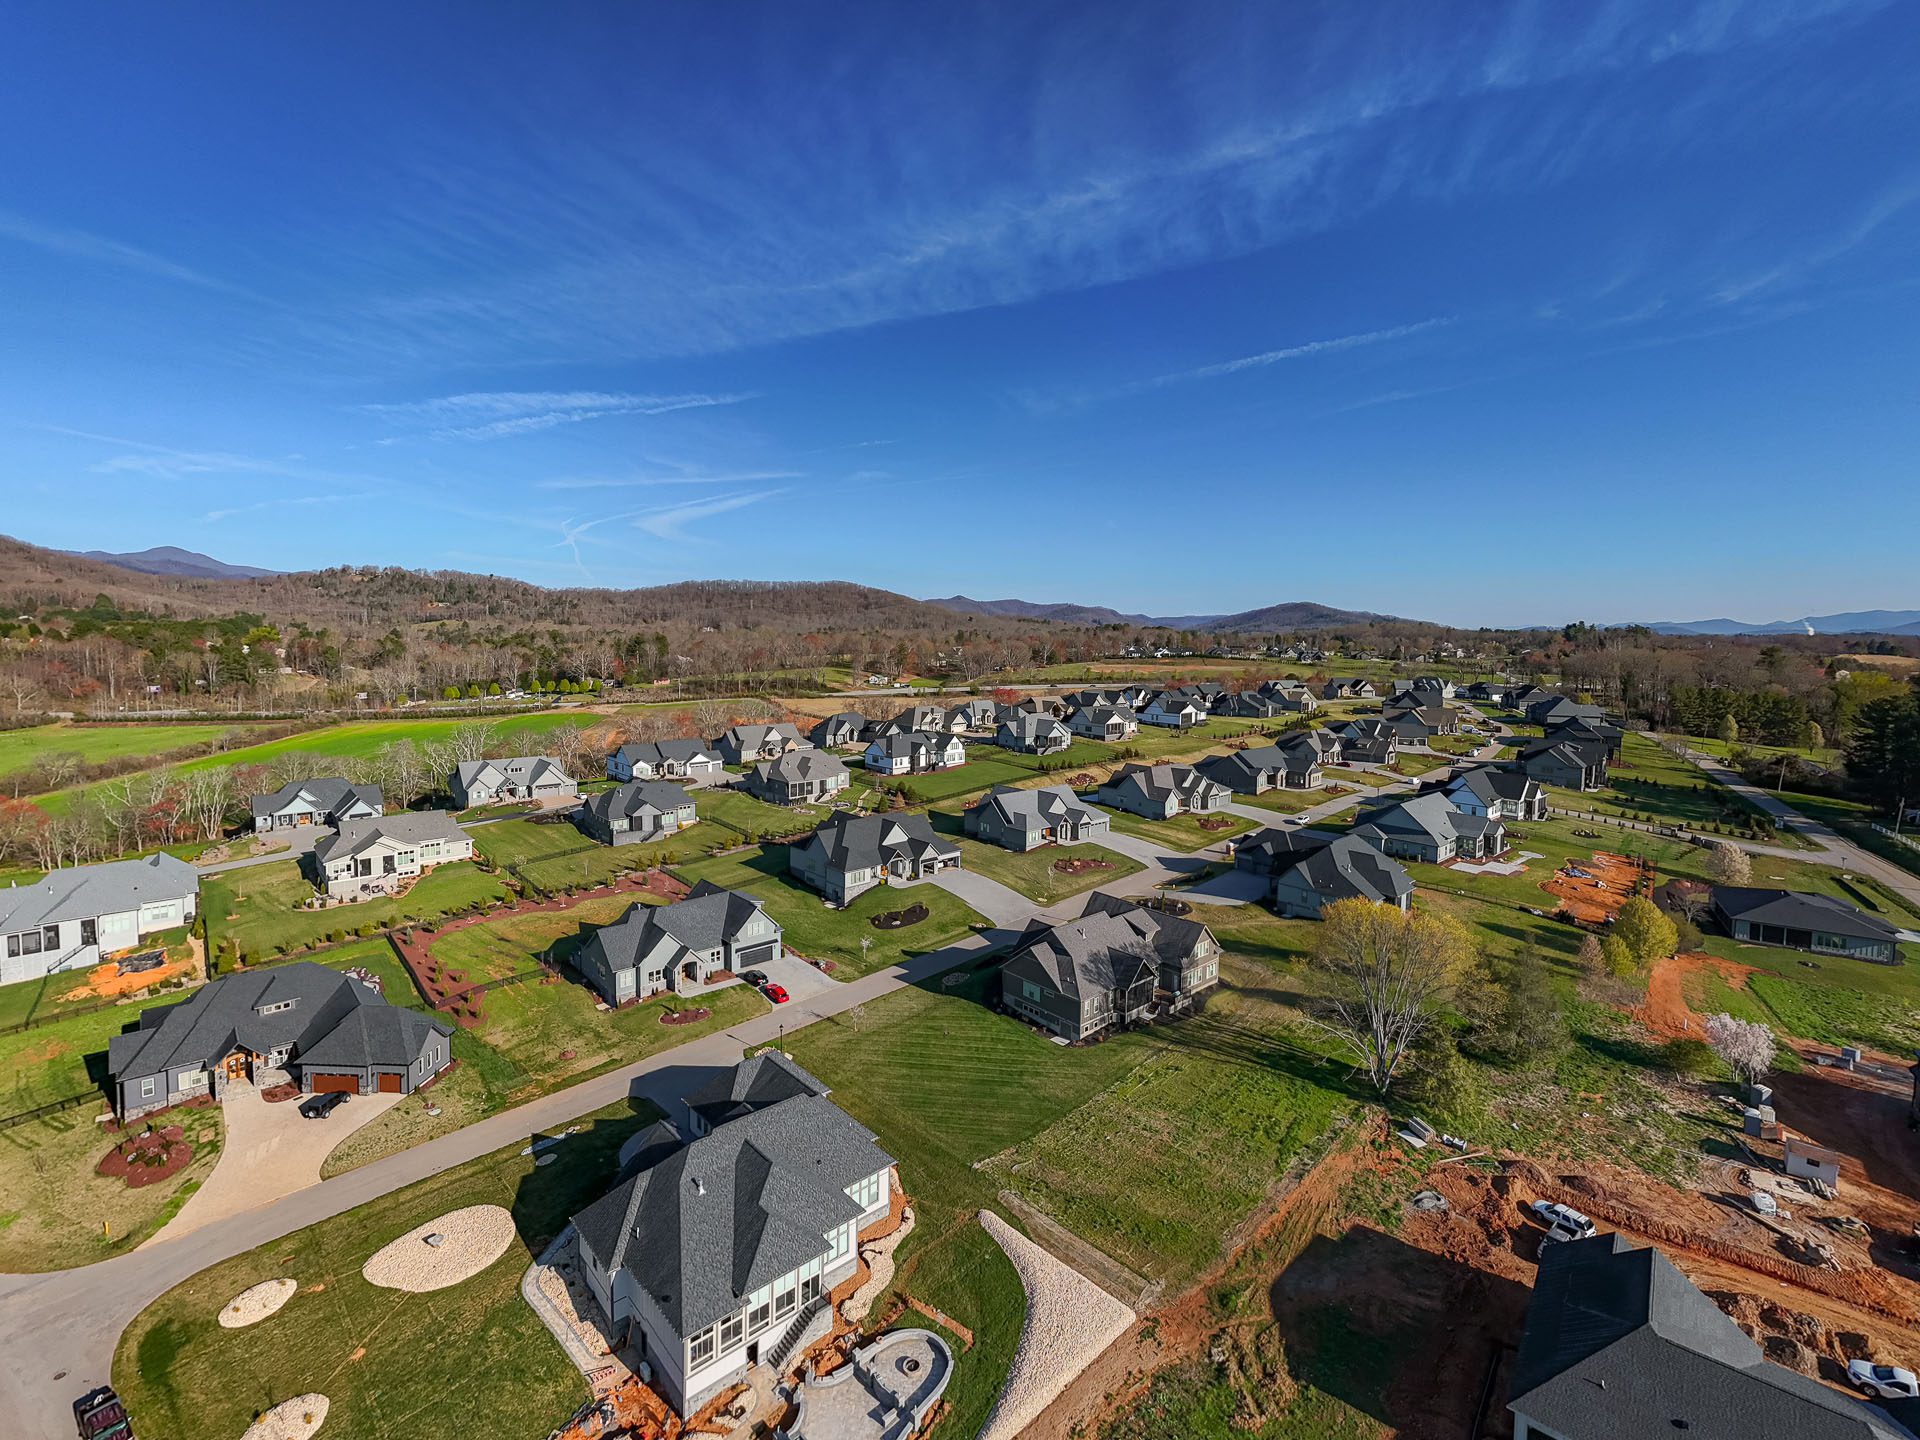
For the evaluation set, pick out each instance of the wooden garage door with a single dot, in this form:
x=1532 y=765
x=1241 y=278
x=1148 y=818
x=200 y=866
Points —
x=324 y=1084
x=389 y=1084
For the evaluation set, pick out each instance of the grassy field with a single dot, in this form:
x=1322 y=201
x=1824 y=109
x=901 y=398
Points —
x=65 y=1058
x=1721 y=750
x=1652 y=782
x=508 y=843
x=56 y=1212
x=1286 y=802
x=819 y=933
x=395 y=1366
x=1855 y=820
x=23 y=749
x=257 y=908
x=1182 y=832
x=1031 y=872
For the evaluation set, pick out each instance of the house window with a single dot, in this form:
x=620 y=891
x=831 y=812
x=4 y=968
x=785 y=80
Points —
x=733 y=1331
x=192 y=1080
x=700 y=1348
x=839 y=1242
x=810 y=1289
x=146 y=1088
x=760 y=1310
x=275 y=1008
x=89 y=932
x=783 y=1298
x=867 y=1193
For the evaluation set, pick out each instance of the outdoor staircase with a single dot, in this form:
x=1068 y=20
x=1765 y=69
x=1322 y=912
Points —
x=776 y=1359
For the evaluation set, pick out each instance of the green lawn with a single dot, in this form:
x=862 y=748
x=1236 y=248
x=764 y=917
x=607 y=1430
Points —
x=743 y=815
x=1286 y=802
x=23 y=749
x=819 y=933
x=1031 y=872
x=1721 y=750
x=513 y=944
x=1651 y=781
x=395 y=1366
x=258 y=907
x=65 y=1058
x=1182 y=832
x=514 y=842
x=991 y=767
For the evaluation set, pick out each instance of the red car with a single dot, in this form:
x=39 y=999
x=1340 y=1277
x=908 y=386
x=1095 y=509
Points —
x=776 y=993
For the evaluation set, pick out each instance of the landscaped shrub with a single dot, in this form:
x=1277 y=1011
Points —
x=1689 y=1057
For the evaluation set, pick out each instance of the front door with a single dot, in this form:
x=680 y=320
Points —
x=239 y=1065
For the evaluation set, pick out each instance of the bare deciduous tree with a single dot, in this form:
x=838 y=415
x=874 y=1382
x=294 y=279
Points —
x=1393 y=972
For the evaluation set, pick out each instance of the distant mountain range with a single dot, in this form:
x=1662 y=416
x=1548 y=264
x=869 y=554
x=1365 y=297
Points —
x=172 y=560
x=1850 y=622
x=1292 y=615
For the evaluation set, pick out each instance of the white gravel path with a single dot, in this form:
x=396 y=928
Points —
x=1070 y=1320
x=293 y=1419
x=256 y=1303
x=471 y=1239
x=879 y=1258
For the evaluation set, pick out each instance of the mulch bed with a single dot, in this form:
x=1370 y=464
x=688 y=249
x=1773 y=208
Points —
x=1166 y=905
x=147 y=1158
x=899 y=919
x=685 y=1017
x=1214 y=822
x=277 y=1094
x=1083 y=781
x=1070 y=865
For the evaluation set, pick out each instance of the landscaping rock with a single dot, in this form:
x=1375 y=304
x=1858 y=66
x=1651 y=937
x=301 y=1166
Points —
x=293 y=1419
x=256 y=1303
x=468 y=1241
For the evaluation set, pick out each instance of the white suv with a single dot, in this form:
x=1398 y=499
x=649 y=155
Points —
x=1563 y=1222
x=1882 y=1382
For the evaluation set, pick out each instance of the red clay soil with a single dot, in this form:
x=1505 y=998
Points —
x=1665 y=1010
x=1594 y=901
x=109 y=980
x=1863 y=1116
x=147 y=1158
x=1080 y=865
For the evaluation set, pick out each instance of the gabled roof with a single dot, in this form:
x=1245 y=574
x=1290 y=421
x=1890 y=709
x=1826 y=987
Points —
x=638 y=797
x=1429 y=813
x=1338 y=866
x=861 y=842
x=706 y=919
x=800 y=765
x=409 y=827
x=1491 y=783
x=751 y=737
x=736 y=1209
x=1800 y=910
x=907 y=743
x=327 y=794
x=522 y=771
x=1111 y=947
x=754 y=1084
x=1619 y=1343
x=87 y=892
x=1032 y=727
x=1157 y=782
x=655 y=752
x=1036 y=809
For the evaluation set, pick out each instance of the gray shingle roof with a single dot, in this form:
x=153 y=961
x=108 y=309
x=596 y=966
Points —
x=1619 y=1343
x=654 y=753
x=736 y=1209
x=89 y=891
x=637 y=797
x=329 y=794
x=799 y=765
x=1157 y=782
x=763 y=1080
x=409 y=827
x=1800 y=910
x=1106 y=949
x=861 y=842
x=1036 y=809
x=1497 y=783
x=521 y=772
x=706 y=919
x=1334 y=865
x=1429 y=813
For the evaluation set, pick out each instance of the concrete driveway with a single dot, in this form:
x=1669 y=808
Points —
x=801 y=980
x=1002 y=905
x=270 y=1151
x=1233 y=887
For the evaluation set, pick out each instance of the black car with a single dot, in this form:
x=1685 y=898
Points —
x=99 y=1415
x=755 y=978
x=318 y=1107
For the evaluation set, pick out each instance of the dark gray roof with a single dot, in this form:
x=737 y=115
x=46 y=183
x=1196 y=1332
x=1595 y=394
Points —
x=328 y=794
x=860 y=842
x=800 y=765
x=736 y=1209
x=837 y=729
x=1337 y=866
x=374 y=1035
x=764 y=1079
x=225 y=1014
x=654 y=752
x=706 y=919
x=1491 y=783
x=409 y=827
x=1620 y=1344
x=1159 y=781
x=1429 y=813
x=1108 y=946
x=89 y=891
x=1800 y=910
x=908 y=743
x=521 y=771
x=1038 y=808
x=636 y=797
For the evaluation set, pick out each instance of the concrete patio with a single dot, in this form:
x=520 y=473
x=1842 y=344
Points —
x=884 y=1393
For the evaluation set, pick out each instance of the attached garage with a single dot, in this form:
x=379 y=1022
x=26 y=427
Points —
x=324 y=1084
x=759 y=955
x=392 y=1084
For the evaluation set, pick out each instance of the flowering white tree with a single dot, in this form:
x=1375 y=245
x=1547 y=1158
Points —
x=1728 y=865
x=1747 y=1046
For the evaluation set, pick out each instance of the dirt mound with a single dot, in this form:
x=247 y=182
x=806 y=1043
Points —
x=1594 y=890
x=1666 y=1011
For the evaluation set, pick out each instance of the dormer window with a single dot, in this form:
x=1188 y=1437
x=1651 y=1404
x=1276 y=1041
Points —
x=275 y=1008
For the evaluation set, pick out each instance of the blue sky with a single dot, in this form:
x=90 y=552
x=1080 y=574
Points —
x=1486 y=314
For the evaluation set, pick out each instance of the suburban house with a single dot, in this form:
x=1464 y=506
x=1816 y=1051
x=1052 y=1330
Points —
x=1109 y=967
x=525 y=777
x=1311 y=869
x=1619 y=1343
x=636 y=812
x=717 y=1250
x=1111 y=723
x=326 y=801
x=1027 y=819
x=849 y=727
x=1250 y=705
x=975 y=714
x=915 y=753
x=1558 y=710
x=1480 y=692
x=689 y=760
x=1798 y=920
x=1030 y=705
x=304 y=1022
x=1367 y=742
x=1349 y=690
x=1570 y=763
x=1292 y=764
x=1607 y=733
x=680 y=947
x=1033 y=734
x=1174 y=711
x=850 y=854
x=1291 y=696
x=1123 y=697
x=1431 y=828
x=1412 y=724
x=798 y=777
x=381 y=856
x=75 y=918
x=744 y=744
x=1519 y=697
x=1499 y=791
x=1425 y=689
x=930 y=718
x=1160 y=792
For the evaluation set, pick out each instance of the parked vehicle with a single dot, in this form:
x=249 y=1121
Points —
x=1882 y=1382
x=318 y=1107
x=776 y=993
x=1563 y=1222
x=755 y=978
x=99 y=1415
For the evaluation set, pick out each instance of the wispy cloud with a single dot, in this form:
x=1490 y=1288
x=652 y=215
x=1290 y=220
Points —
x=284 y=502
x=89 y=248
x=494 y=414
x=669 y=522
x=646 y=482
